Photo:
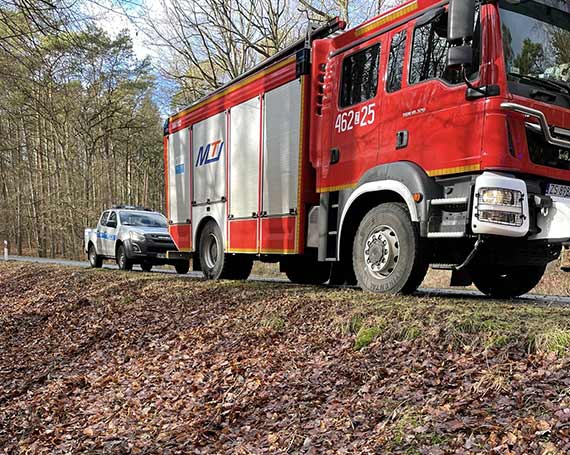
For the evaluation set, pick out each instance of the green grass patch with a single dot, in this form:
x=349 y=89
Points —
x=555 y=340
x=273 y=322
x=365 y=336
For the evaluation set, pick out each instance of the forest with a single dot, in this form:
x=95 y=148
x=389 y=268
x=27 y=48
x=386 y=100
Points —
x=81 y=114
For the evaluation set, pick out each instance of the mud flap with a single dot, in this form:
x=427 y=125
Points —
x=461 y=278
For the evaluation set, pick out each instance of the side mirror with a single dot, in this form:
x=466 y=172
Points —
x=112 y=224
x=461 y=17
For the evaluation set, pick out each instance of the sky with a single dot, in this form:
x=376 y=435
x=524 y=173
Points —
x=113 y=16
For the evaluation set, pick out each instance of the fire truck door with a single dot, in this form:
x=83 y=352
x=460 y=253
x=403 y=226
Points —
x=355 y=114
x=431 y=122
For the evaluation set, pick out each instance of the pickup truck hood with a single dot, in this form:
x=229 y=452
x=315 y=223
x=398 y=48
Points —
x=148 y=230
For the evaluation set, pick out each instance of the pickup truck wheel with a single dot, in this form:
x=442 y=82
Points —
x=182 y=267
x=507 y=282
x=123 y=261
x=95 y=261
x=388 y=254
x=146 y=267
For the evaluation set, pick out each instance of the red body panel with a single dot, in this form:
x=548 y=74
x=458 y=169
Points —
x=278 y=235
x=243 y=236
x=182 y=236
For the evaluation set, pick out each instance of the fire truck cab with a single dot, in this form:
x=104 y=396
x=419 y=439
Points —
x=435 y=134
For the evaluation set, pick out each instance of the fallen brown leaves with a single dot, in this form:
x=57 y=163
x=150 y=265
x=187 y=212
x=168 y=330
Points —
x=109 y=362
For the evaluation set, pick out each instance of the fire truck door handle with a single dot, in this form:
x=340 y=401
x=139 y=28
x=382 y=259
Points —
x=335 y=156
x=402 y=139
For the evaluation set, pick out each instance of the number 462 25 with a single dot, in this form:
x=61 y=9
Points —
x=348 y=120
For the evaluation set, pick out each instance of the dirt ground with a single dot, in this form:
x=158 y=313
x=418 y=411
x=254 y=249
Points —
x=101 y=361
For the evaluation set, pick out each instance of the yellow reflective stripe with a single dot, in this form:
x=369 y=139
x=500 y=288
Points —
x=328 y=189
x=382 y=20
x=454 y=170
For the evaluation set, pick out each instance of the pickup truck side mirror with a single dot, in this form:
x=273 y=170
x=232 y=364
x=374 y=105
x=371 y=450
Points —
x=461 y=16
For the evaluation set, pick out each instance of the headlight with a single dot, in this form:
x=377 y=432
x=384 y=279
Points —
x=136 y=236
x=491 y=216
x=500 y=206
x=500 y=196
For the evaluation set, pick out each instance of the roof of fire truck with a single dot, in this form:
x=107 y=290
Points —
x=352 y=37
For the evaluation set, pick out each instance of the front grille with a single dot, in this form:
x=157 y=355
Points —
x=545 y=154
x=158 y=248
x=161 y=238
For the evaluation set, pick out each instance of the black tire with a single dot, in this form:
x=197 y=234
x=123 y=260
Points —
x=182 y=267
x=95 y=261
x=388 y=254
x=216 y=264
x=123 y=261
x=239 y=267
x=507 y=282
x=146 y=267
x=306 y=270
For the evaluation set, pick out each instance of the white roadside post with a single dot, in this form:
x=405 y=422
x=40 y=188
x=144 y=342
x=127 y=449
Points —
x=5 y=250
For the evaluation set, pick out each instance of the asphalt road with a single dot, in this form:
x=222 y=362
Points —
x=459 y=293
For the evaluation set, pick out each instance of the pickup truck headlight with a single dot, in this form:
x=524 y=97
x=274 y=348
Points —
x=500 y=206
x=136 y=236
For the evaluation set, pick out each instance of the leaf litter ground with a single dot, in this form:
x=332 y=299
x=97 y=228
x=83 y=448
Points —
x=100 y=361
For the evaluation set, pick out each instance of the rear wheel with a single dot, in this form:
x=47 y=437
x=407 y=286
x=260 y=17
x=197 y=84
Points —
x=306 y=270
x=123 y=261
x=146 y=267
x=388 y=254
x=95 y=260
x=507 y=282
x=182 y=267
x=216 y=264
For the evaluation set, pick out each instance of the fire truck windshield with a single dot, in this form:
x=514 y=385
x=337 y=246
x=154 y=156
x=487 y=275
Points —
x=536 y=42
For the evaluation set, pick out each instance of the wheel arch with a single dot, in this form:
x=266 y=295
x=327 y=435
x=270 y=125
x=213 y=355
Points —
x=361 y=201
x=118 y=243
x=201 y=225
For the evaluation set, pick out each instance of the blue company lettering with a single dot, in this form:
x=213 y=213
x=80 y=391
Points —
x=209 y=153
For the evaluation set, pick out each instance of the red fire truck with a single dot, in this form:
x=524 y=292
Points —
x=435 y=134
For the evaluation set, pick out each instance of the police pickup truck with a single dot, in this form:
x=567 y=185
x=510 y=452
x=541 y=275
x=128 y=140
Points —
x=133 y=235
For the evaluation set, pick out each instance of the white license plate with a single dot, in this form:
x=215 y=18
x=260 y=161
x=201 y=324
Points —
x=554 y=189
x=161 y=255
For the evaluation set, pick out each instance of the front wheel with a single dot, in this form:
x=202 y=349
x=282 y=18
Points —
x=507 y=282
x=123 y=261
x=182 y=267
x=95 y=261
x=388 y=254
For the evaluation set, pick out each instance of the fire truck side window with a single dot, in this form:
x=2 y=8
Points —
x=429 y=53
x=360 y=76
x=396 y=62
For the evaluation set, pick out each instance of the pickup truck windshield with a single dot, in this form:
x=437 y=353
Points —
x=142 y=219
x=536 y=42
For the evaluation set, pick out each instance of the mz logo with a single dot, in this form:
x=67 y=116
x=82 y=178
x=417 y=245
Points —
x=210 y=153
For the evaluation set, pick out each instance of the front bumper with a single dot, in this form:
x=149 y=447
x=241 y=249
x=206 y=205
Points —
x=547 y=220
x=554 y=222
x=150 y=251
